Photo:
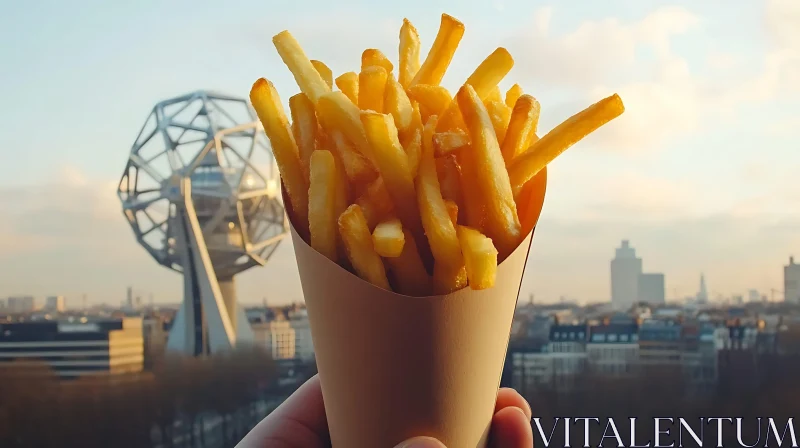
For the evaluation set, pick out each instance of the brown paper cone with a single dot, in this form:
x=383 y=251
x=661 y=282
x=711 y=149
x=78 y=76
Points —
x=394 y=367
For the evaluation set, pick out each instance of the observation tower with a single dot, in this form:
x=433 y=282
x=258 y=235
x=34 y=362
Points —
x=201 y=193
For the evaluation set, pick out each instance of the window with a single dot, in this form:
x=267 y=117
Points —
x=612 y=338
x=623 y=338
x=580 y=335
x=598 y=337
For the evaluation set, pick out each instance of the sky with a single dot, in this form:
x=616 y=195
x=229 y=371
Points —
x=700 y=173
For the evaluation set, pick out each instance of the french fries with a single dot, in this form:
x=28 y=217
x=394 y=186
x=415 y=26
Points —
x=374 y=57
x=484 y=80
x=512 y=95
x=305 y=74
x=348 y=84
x=521 y=127
x=441 y=53
x=360 y=248
x=435 y=217
x=433 y=100
x=270 y=112
x=388 y=238
x=409 y=53
x=558 y=140
x=446 y=142
x=322 y=204
x=502 y=222
x=371 y=88
x=304 y=128
x=480 y=257
x=411 y=188
x=324 y=71
x=408 y=271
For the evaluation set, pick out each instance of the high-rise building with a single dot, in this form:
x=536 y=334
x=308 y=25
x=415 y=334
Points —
x=75 y=349
x=55 y=304
x=651 y=288
x=702 y=294
x=625 y=271
x=21 y=304
x=791 y=281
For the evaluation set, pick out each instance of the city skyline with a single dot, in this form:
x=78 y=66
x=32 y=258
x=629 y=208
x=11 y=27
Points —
x=697 y=174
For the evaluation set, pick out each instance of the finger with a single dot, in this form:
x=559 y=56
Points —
x=421 y=442
x=511 y=428
x=508 y=397
x=299 y=421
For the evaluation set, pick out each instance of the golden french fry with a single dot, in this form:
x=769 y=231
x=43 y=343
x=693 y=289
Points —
x=512 y=95
x=305 y=74
x=323 y=71
x=452 y=210
x=436 y=220
x=448 y=279
x=373 y=56
x=441 y=53
x=447 y=142
x=414 y=152
x=304 y=128
x=531 y=200
x=269 y=109
x=523 y=122
x=408 y=270
x=560 y=138
x=392 y=163
x=409 y=53
x=472 y=206
x=348 y=84
x=499 y=115
x=494 y=95
x=336 y=111
x=396 y=102
x=376 y=203
x=480 y=258
x=357 y=168
x=449 y=178
x=484 y=80
x=388 y=238
x=433 y=100
x=415 y=126
x=502 y=223
x=371 y=88
x=321 y=204
x=358 y=242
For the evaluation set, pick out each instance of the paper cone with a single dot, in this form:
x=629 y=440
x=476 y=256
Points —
x=394 y=367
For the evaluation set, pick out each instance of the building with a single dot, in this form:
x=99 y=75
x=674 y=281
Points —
x=155 y=333
x=303 y=343
x=625 y=270
x=55 y=304
x=613 y=350
x=529 y=366
x=275 y=334
x=74 y=349
x=791 y=282
x=568 y=352
x=20 y=304
x=702 y=294
x=660 y=345
x=651 y=288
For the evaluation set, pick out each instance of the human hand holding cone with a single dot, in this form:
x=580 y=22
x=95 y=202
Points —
x=411 y=249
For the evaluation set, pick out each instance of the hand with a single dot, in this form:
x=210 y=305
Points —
x=300 y=423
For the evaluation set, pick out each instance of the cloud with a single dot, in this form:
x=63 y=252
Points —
x=665 y=97
x=69 y=237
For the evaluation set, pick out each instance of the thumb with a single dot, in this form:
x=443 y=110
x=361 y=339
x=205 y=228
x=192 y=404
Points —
x=421 y=442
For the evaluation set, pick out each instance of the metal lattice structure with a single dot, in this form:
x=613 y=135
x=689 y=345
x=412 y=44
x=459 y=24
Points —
x=201 y=193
